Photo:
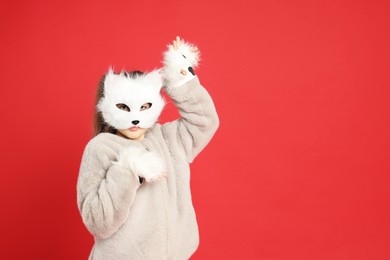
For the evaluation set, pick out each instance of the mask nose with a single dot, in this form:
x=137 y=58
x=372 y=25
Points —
x=135 y=122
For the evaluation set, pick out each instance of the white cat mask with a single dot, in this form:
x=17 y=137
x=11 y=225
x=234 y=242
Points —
x=133 y=92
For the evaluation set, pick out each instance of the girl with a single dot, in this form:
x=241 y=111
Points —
x=133 y=188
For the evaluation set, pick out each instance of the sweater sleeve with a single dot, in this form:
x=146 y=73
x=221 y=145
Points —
x=199 y=120
x=105 y=191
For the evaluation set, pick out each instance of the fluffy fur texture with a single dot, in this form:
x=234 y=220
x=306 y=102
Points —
x=152 y=220
x=177 y=60
x=155 y=220
x=133 y=92
x=142 y=162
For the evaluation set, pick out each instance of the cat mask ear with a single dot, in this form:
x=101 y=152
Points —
x=133 y=91
x=154 y=79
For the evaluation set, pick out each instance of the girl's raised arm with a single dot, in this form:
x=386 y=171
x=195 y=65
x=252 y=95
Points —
x=199 y=120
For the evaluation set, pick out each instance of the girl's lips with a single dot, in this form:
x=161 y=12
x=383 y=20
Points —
x=134 y=128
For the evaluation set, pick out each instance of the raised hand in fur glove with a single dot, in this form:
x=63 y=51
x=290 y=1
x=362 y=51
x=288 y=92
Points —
x=144 y=163
x=179 y=62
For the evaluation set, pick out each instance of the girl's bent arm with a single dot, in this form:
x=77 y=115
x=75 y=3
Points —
x=105 y=191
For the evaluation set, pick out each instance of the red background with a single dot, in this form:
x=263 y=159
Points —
x=299 y=168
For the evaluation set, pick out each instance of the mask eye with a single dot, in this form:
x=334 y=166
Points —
x=123 y=107
x=146 y=106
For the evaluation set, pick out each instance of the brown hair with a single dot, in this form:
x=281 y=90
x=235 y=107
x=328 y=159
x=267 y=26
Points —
x=99 y=125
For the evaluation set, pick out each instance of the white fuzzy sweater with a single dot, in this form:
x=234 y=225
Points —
x=133 y=221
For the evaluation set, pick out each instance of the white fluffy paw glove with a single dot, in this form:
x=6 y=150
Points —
x=179 y=62
x=146 y=164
